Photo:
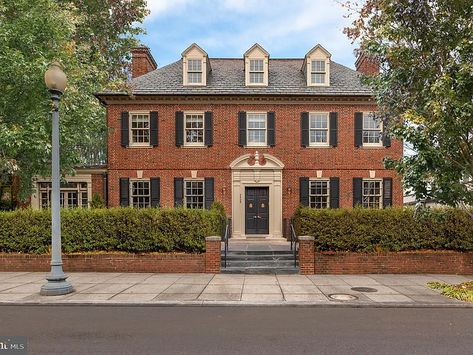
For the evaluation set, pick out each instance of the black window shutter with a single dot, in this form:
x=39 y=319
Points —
x=241 y=128
x=209 y=139
x=271 y=129
x=178 y=192
x=153 y=128
x=334 y=192
x=179 y=128
x=358 y=129
x=387 y=192
x=209 y=192
x=124 y=192
x=124 y=126
x=304 y=191
x=357 y=191
x=304 y=129
x=333 y=129
x=155 y=191
x=386 y=138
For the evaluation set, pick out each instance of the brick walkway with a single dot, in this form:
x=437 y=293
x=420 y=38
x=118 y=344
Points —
x=147 y=288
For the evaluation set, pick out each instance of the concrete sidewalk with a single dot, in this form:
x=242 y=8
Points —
x=235 y=289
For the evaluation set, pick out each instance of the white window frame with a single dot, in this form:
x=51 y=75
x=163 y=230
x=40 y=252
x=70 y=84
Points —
x=64 y=192
x=202 y=181
x=380 y=196
x=189 y=71
x=380 y=143
x=130 y=129
x=319 y=144
x=132 y=196
x=260 y=72
x=312 y=71
x=327 y=181
x=194 y=144
x=248 y=129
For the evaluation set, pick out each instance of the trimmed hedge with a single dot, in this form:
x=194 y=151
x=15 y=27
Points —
x=115 y=229
x=391 y=229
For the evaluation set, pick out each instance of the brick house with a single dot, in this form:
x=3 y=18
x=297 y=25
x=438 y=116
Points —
x=260 y=135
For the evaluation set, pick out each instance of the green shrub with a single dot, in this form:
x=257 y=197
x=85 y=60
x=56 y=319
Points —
x=97 y=201
x=115 y=229
x=391 y=229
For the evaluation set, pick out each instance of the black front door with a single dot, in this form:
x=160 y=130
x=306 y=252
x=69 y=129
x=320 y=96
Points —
x=257 y=210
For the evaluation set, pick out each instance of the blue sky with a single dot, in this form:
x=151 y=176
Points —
x=227 y=28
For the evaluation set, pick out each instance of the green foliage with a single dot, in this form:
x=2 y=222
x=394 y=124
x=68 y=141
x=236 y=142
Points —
x=97 y=201
x=462 y=292
x=424 y=90
x=92 y=40
x=391 y=229
x=115 y=229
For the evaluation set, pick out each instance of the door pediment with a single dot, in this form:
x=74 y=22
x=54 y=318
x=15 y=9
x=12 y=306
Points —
x=257 y=161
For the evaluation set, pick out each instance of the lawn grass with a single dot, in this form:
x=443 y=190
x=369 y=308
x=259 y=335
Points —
x=462 y=292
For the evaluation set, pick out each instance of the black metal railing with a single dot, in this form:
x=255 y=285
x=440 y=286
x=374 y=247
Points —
x=226 y=237
x=294 y=244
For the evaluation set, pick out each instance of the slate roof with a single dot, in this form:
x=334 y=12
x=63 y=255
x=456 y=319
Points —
x=227 y=78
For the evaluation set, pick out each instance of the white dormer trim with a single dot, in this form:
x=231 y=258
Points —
x=256 y=52
x=317 y=53
x=191 y=53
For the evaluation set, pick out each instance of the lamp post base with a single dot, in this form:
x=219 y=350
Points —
x=56 y=287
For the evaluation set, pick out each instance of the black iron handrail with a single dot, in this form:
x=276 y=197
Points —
x=294 y=244
x=226 y=237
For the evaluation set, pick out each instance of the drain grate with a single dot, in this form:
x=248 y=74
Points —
x=342 y=297
x=364 y=289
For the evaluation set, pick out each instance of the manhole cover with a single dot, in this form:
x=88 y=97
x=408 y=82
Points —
x=364 y=289
x=342 y=297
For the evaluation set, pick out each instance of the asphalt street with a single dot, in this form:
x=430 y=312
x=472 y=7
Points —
x=239 y=330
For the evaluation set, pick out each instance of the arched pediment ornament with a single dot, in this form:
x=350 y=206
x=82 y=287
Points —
x=257 y=161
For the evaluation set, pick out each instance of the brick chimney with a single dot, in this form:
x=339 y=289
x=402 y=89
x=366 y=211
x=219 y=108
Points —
x=366 y=65
x=142 y=61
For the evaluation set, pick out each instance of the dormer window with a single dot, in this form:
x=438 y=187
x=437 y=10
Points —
x=195 y=66
x=194 y=71
x=256 y=61
x=256 y=71
x=317 y=74
x=316 y=66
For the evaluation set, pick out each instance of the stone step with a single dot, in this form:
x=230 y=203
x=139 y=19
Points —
x=257 y=252
x=260 y=270
x=259 y=257
x=259 y=263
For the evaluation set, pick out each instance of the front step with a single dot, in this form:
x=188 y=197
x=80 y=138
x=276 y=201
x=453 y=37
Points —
x=259 y=262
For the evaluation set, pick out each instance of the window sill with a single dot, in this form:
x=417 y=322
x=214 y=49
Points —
x=372 y=146
x=257 y=146
x=194 y=146
x=139 y=146
x=320 y=146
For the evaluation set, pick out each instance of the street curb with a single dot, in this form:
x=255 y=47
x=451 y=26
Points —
x=334 y=304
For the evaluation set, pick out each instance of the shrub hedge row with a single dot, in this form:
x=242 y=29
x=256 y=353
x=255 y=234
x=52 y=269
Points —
x=115 y=229
x=392 y=229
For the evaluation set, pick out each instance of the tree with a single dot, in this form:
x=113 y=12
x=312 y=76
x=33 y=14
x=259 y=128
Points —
x=92 y=40
x=424 y=89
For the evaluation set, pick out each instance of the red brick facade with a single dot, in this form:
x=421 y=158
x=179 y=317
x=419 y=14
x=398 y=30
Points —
x=168 y=161
x=142 y=61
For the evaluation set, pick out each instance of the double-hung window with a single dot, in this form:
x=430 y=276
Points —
x=372 y=129
x=194 y=71
x=194 y=193
x=72 y=194
x=140 y=193
x=139 y=129
x=256 y=71
x=194 y=129
x=319 y=129
x=372 y=193
x=256 y=129
x=319 y=194
x=317 y=72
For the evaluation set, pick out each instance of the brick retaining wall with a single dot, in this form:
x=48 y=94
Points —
x=408 y=262
x=108 y=262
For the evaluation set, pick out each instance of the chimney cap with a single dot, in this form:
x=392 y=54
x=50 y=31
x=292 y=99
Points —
x=144 y=49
